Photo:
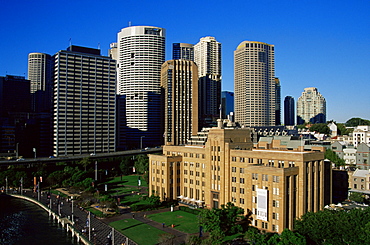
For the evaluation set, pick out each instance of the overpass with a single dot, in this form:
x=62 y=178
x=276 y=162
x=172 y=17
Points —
x=47 y=160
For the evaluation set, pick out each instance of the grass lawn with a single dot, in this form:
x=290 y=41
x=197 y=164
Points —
x=183 y=221
x=96 y=212
x=137 y=231
x=127 y=180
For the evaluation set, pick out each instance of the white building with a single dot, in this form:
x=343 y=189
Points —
x=140 y=54
x=254 y=84
x=39 y=71
x=311 y=107
x=361 y=134
x=349 y=156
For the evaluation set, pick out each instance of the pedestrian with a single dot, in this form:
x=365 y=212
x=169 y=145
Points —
x=133 y=216
x=163 y=225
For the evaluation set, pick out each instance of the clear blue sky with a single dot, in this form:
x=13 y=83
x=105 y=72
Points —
x=318 y=43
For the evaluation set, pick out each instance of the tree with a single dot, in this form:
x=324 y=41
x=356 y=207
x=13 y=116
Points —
x=223 y=220
x=142 y=164
x=85 y=162
x=125 y=165
x=356 y=121
x=166 y=239
x=333 y=157
x=320 y=127
x=357 y=197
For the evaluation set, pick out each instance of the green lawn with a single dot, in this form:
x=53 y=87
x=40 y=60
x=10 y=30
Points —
x=96 y=212
x=137 y=231
x=183 y=221
x=127 y=180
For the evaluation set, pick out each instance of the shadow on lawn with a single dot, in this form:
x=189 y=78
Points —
x=132 y=226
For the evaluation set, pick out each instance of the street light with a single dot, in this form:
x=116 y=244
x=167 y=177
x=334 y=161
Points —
x=141 y=142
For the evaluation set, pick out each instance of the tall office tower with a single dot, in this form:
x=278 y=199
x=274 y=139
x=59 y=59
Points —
x=254 y=84
x=40 y=75
x=179 y=80
x=311 y=107
x=289 y=117
x=15 y=101
x=141 y=53
x=84 y=102
x=277 y=102
x=207 y=55
x=227 y=103
x=182 y=51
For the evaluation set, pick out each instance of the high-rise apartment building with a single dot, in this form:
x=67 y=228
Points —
x=179 y=81
x=84 y=102
x=254 y=84
x=140 y=54
x=311 y=107
x=182 y=51
x=220 y=166
x=277 y=102
x=289 y=118
x=207 y=55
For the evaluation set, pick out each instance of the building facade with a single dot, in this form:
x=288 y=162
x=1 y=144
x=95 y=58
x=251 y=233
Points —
x=179 y=81
x=289 y=118
x=84 y=102
x=207 y=55
x=254 y=84
x=221 y=165
x=140 y=54
x=277 y=102
x=227 y=103
x=361 y=134
x=311 y=107
x=40 y=72
x=182 y=51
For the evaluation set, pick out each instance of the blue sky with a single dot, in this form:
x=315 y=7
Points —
x=323 y=44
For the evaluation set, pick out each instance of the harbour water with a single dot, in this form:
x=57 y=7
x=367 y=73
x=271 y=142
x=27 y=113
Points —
x=23 y=222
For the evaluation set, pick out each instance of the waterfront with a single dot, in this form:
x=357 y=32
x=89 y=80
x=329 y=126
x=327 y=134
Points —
x=23 y=222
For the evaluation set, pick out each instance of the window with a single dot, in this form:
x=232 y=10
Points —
x=242 y=159
x=233 y=189
x=241 y=180
x=197 y=182
x=264 y=177
x=185 y=171
x=233 y=179
x=275 y=203
x=250 y=160
x=275 y=191
x=255 y=176
x=275 y=178
x=242 y=170
x=241 y=200
x=233 y=159
x=275 y=216
x=185 y=180
x=241 y=190
x=233 y=169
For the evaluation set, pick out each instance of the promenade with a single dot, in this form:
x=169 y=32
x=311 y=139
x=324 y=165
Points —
x=100 y=233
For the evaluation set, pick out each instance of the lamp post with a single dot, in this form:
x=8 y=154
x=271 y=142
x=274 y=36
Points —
x=16 y=150
x=141 y=142
x=34 y=151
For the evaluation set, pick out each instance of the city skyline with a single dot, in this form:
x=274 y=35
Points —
x=314 y=41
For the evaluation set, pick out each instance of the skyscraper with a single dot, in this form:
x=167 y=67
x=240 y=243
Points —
x=289 y=117
x=311 y=107
x=207 y=55
x=141 y=53
x=182 y=51
x=227 y=103
x=277 y=102
x=39 y=71
x=179 y=81
x=84 y=102
x=254 y=84
x=40 y=75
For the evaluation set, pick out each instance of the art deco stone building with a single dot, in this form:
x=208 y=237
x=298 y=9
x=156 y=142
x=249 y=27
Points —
x=220 y=165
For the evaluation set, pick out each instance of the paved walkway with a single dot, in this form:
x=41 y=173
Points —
x=100 y=230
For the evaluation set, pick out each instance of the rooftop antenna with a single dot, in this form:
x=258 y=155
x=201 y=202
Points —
x=220 y=111
x=70 y=41
x=129 y=23
x=99 y=46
